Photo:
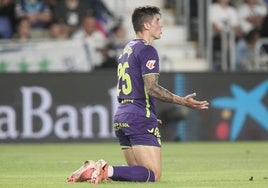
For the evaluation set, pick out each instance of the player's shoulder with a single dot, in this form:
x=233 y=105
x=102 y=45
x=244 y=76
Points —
x=148 y=49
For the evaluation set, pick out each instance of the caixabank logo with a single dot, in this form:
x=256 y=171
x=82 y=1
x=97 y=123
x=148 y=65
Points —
x=238 y=107
x=37 y=116
x=243 y=104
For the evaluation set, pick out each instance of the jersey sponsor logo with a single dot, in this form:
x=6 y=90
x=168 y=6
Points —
x=150 y=64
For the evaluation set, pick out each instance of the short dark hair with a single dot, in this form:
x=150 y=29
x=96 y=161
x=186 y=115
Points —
x=142 y=15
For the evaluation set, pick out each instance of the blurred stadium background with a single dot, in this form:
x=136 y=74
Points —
x=58 y=81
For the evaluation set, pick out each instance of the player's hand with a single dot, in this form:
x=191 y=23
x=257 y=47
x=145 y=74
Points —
x=193 y=103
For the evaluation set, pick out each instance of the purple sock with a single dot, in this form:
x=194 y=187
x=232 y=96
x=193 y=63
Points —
x=132 y=173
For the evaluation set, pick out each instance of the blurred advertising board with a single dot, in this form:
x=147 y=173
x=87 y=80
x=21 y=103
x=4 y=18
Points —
x=238 y=106
x=65 y=107
x=45 y=56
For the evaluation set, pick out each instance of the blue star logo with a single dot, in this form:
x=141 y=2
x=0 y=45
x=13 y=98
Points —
x=245 y=104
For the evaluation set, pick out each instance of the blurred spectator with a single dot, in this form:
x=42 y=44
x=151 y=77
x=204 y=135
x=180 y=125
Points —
x=94 y=39
x=245 y=50
x=236 y=3
x=71 y=13
x=51 y=3
x=193 y=20
x=118 y=39
x=105 y=18
x=37 y=12
x=23 y=29
x=251 y=14
x=58 y=31
x=264 y=25
x=264 y=31
x=7 y=18
x=115 y=45
x=223 y=18
x=266 y=2
x=170 y=4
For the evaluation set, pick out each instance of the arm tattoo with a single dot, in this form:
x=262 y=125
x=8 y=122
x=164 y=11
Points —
x=155 y=90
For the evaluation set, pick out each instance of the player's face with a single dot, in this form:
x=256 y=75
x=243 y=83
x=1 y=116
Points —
x=156 y=27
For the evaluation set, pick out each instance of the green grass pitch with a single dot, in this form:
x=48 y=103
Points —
x=186 y=165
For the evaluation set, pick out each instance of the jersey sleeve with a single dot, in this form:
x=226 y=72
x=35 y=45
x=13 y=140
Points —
x=149 y=60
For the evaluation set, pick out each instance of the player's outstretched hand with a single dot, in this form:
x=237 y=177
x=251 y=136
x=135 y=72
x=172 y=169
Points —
x=193 y=103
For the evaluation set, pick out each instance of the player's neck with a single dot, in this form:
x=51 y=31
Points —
x=144 y=37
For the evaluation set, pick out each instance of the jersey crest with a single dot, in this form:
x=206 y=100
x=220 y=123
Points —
x=150 y=64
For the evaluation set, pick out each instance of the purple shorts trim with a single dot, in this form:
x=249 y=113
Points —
x=133 y=129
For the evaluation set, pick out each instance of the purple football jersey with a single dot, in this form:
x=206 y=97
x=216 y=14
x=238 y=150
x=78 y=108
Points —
x=136 y=60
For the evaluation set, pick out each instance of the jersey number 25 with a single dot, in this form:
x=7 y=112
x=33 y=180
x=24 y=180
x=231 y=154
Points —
x=124 y=82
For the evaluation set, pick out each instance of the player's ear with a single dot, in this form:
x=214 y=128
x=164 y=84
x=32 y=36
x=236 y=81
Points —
x=146 y=25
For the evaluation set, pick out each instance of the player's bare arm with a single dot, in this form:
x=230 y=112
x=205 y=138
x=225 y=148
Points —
x=155 y=90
